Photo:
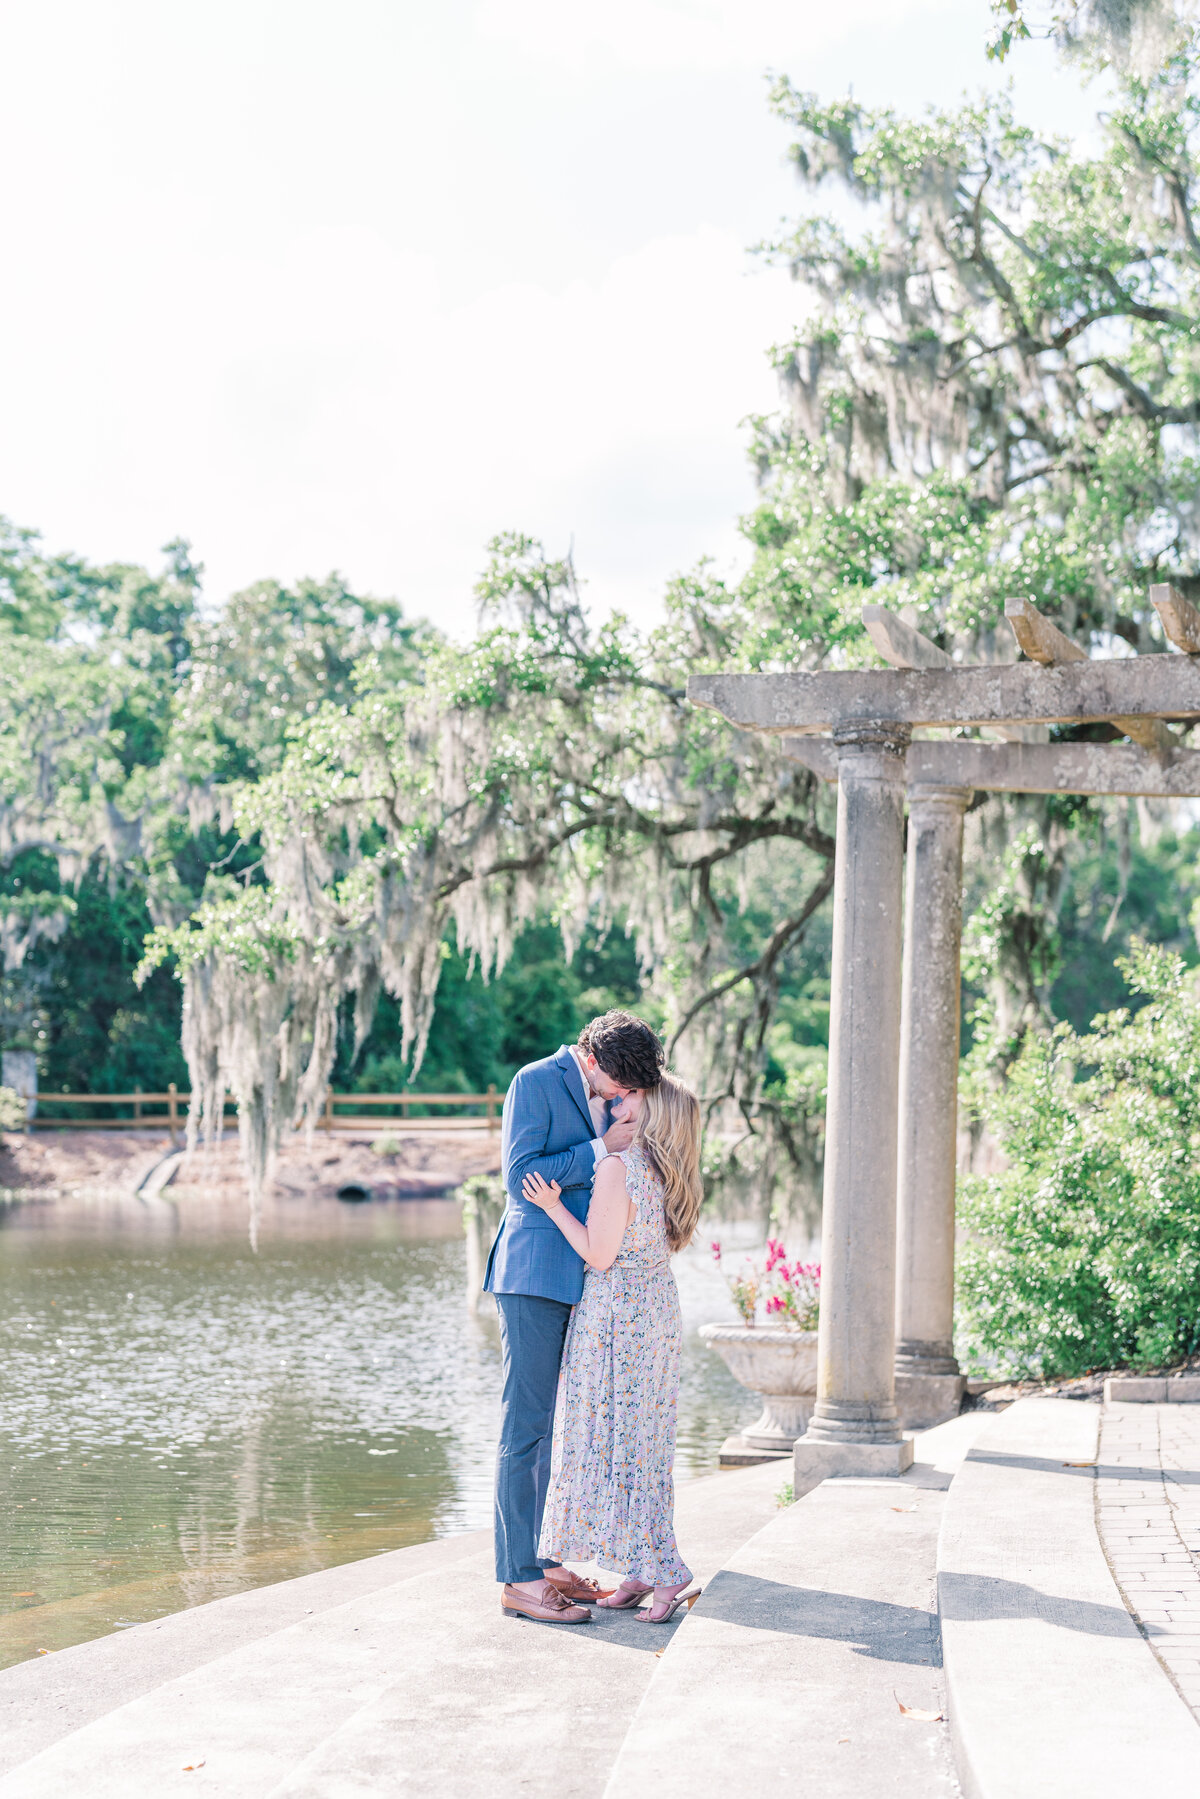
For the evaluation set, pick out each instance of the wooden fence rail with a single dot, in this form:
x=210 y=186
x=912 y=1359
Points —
x=168 y=1109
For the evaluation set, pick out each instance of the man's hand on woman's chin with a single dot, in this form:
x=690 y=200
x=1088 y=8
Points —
x=618 y=1136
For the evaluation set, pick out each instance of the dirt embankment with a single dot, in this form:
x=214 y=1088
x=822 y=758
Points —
x=114 y=1162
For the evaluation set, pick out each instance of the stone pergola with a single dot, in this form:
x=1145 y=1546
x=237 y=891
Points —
x=888 y=1219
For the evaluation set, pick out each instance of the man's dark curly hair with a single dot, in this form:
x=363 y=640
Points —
x=626 y=1049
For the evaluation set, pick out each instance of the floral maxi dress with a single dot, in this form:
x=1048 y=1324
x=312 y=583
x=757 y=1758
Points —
x=611 y=1498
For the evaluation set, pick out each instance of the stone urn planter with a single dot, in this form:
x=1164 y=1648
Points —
x=780 y=1367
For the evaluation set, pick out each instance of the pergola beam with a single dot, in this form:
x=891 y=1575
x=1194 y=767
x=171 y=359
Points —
x=1110 y=768
x=899 y=643
x=1043 y=642
x=1023 y=692
x=1180 y=619
x=817 y=754
x=1040 y=640
x=904 y=646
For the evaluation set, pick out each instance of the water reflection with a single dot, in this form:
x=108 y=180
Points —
x=183 y=1419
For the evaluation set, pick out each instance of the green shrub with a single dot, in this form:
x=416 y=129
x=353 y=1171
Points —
x=1085 y=1252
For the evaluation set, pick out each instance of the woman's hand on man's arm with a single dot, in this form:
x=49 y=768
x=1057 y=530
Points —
x=599 y=1239
x=546 y=1194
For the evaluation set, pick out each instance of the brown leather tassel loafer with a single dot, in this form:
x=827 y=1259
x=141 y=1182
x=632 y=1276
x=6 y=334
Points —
x=577 y=1587
x=548 y=1608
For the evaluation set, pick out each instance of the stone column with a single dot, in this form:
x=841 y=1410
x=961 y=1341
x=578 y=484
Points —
x=854 y=1427
x=929 y=1387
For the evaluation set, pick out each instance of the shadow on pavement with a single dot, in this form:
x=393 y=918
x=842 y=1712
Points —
x=619 y=1628
x=1039 y=1464
x=985 y=1598
x=872 y=1627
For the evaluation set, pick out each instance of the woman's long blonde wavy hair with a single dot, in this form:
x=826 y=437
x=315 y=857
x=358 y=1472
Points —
x=669 y=1130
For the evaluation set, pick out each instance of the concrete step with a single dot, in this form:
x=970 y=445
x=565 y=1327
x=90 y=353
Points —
x=793 y=1664
x=419 y=1685
x=1053 y=1690
x=49 y=1697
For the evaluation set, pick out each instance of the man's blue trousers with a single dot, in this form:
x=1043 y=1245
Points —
x=532 y=1333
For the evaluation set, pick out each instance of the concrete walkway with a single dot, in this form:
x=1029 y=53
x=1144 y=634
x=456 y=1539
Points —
x=1148 y=1509
x=815 y=1655
x=1054 y=1690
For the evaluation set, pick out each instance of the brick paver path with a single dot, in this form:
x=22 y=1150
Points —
x=1148 y=1513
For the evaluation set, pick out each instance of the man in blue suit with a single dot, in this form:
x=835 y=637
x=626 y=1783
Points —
x=557 y=1121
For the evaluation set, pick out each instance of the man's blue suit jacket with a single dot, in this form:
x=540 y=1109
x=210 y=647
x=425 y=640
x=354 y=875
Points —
x=547 y=1127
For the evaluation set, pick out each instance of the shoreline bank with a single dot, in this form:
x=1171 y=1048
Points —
x=108 y=1165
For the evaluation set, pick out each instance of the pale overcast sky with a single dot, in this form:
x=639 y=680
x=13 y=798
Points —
x=355 y=284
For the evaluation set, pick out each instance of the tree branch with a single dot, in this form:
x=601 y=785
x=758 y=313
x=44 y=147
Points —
x=782 y=938
x=1143 y=403
x=1175 y=186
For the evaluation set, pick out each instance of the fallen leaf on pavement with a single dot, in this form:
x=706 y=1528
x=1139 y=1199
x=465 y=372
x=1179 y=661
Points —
x=915 y=1713
x=1079 y=1464
x=190 y=1767
x=902 y=1508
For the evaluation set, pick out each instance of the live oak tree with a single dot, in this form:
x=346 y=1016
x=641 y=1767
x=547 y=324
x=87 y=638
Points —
x=548 y=764
x=127 y=710
x=995 y=394
x=88 y=662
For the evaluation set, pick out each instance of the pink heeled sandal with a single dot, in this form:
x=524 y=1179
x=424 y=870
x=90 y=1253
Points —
x=654 y=1616
x=625 y=1598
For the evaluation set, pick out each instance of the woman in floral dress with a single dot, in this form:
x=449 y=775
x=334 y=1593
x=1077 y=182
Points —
x=611 y=1497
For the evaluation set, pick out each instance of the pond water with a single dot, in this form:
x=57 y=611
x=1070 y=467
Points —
x=182 y=1418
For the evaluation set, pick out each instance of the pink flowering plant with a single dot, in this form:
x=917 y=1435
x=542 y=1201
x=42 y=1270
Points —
x=742 y=1286
x=795 y=1297
x=791 y=1291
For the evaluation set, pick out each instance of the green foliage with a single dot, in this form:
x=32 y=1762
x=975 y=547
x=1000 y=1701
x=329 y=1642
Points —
x=998 y=388
x=996 y=392
x=1052 y=909
x=1117 y=887
x=104 y=1034
x=483 y=1031
x=272 y=658
x=12 y=1110
x=236 y=923
x=123 y=709
x=1011 y=948
x=1085 y=1252
x=1009 y=28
